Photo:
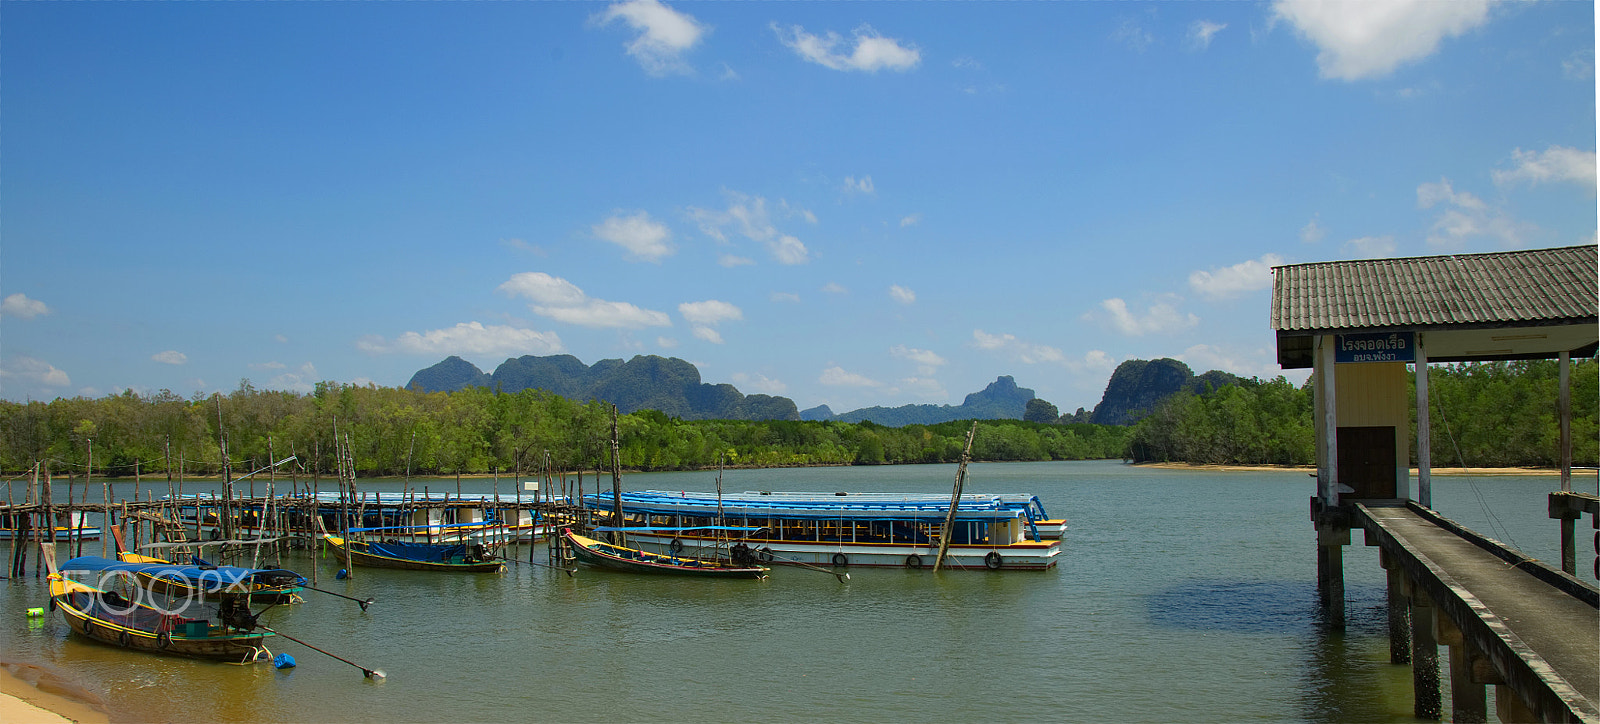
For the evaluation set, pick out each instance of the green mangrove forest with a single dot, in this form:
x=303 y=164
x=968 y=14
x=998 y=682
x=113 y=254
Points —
x=1500 y=414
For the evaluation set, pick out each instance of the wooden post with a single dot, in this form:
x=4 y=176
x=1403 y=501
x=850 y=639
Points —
x=1424 y=429
x=955 y=500
x=616 y=476
x=1424 y=657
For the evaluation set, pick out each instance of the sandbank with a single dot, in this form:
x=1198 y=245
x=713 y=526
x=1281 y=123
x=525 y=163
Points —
x=30 y=694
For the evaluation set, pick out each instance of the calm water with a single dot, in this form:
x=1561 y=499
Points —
x=1180 y=596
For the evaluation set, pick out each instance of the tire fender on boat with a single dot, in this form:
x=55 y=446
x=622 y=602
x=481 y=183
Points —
x=164 y=639
x=676 y=546
x=913 y=561
x=766 y=554
x=840 y=561
x=993 y=561
x=126 y=639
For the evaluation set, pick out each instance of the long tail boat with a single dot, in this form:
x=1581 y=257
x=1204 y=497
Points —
x=622 y=558
x=111 y=617
x=460 y=557
x=201 y=580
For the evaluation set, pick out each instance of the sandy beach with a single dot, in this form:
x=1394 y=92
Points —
x=29 y=695
x=1312 y=470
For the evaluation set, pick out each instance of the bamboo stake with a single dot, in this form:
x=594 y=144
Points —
x=955 y=500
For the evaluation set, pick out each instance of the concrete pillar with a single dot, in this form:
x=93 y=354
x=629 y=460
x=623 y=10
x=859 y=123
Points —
x=1509 y=708
x=1399 y=612
x=1331 y=541
x=1424 y=658
x=1328 y=467
x=1468 y=703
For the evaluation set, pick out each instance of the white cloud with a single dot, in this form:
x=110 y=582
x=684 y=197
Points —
x=170 y=357
x=1554 y=164
x=759 y=383
x=707 y=314
x=1016 y=349
x=302 y=380
x=666 y=342
x=710 y=311
x=749 y=217
x=1133 y=35
x=789 y=250
x=1357 y=40
x=1579 y=65
x=665 y=35
x=280 y=339
x=1372 y=246
x=1202 y=31
x=862 y=185
x=730 y=261
x=1465 y=217
x=872 y=52
x=33 y=371
x=644 y=238
x=835 y=376
x=1312 y=232
x=1159 y=317
x=269 y=366
x=1246 y=276
x=902 y=294
x=911 y=220
x=928 y=362
x=563 y=301
x=467 y=338
x=20 y=306
x=834 y=288
x=785 y=297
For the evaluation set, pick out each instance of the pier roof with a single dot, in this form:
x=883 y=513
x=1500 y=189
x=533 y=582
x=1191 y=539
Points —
x=1528 y=304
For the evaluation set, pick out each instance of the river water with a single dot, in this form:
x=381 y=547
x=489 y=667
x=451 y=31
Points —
x=1180 y=596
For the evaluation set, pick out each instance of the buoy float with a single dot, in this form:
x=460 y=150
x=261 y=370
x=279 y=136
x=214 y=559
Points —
x=283 y=661
x=342 y=574
x=35 y=612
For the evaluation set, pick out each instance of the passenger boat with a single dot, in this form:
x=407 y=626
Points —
x=468 y=557
x=632 y=560
x=69 y=526
x=127 y=620
x=996 y=532
x=1042 y=526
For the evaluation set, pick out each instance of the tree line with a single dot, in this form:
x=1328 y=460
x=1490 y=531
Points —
x=394 y=432
x=1486 y=414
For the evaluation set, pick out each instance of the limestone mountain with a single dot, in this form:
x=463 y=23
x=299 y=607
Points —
x=1002 y=399
x=646 y=382
x=1137 y=386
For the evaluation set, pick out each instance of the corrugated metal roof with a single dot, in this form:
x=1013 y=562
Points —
x=1538 y=285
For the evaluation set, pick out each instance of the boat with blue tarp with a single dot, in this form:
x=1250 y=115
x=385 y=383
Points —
x=474 y=551
x=117 y=609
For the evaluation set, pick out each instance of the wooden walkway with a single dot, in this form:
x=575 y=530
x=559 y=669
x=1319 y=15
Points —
x=1522 y=625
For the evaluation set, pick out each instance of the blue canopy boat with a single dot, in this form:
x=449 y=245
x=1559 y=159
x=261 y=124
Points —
x=464 y=556
x=132 y=620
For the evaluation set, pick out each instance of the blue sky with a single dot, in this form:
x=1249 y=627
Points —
x=843 y=203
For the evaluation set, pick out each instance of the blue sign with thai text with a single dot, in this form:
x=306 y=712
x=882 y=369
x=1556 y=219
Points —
x=1379 y=347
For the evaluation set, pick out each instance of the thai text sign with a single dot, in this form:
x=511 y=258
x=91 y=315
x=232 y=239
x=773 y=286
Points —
x=1380 y=347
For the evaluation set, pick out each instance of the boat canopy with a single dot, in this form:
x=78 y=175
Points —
x=659 y=503
x=210 y=579
x=671 y=529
